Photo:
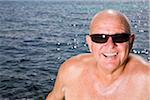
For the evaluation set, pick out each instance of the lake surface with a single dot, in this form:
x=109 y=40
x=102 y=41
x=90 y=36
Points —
x=37 y=37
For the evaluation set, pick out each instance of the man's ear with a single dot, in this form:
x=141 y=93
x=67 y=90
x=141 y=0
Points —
x=131 y=41
x=89 y=42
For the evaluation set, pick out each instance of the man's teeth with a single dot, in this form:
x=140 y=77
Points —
x=110 y=54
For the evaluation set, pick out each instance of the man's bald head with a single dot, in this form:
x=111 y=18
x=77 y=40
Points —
x=107 y=16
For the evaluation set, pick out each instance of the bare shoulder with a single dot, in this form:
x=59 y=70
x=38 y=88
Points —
x=68 y=72
x=139 y=60
x=140 y=63
x=75 y=65
x=77 y=60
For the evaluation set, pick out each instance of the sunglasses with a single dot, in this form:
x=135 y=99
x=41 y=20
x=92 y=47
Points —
x=117 y=38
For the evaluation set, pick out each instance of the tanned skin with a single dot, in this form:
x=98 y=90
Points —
x=109 y=71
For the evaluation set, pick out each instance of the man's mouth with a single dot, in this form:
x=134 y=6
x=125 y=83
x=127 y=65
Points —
x=114 y=54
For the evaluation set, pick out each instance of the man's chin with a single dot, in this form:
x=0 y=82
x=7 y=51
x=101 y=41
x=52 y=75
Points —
x=110 y=65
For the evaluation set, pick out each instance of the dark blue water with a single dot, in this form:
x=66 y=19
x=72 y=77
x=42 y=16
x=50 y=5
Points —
x=36 y=37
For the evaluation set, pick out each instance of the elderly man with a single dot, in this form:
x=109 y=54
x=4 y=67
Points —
x=109 y=72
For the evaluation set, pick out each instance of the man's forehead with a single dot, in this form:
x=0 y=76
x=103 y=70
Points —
x=109 y=17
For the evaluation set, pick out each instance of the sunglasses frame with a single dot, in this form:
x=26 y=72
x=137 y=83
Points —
x=117 y=38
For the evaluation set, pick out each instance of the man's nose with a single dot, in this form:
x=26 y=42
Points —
x=110 y=43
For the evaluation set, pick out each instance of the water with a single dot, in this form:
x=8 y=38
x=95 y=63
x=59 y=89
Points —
x=36 y=37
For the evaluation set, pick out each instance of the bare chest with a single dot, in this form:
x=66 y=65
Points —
x=87 y=88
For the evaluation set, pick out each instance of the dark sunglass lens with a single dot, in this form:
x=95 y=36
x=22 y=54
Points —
x=120 y=38
x=99 y=38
